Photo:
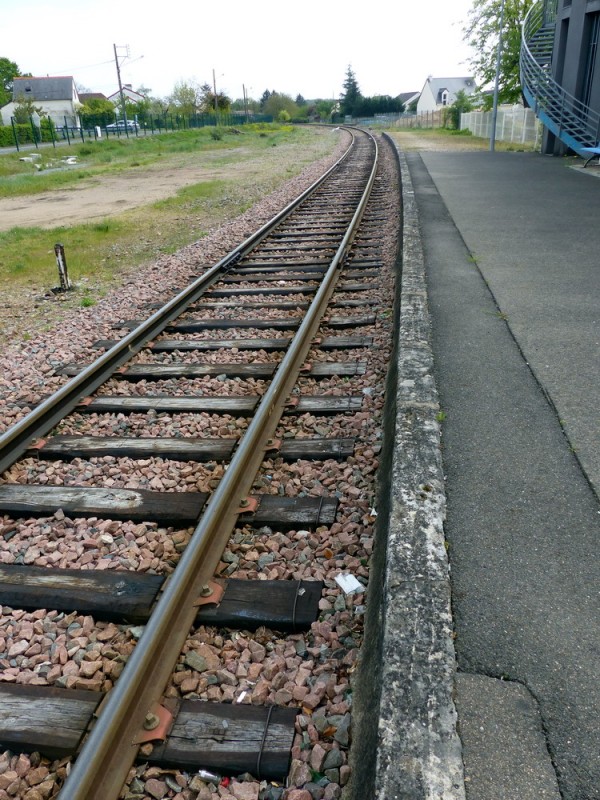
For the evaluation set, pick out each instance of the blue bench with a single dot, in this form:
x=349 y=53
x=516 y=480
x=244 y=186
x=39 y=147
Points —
x=595 y=153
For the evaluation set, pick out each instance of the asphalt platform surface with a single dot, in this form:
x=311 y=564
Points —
x=512 y=254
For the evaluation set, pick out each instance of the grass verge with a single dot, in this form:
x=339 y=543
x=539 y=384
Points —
x=49 y=170
x=463 y=140
x=240 y=171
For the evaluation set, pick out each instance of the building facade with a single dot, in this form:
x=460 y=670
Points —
x=57 y=97
x=560 y=72
x=438 y=93
x=575 y=61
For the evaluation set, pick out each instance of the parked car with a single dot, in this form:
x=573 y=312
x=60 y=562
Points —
x=121 y=125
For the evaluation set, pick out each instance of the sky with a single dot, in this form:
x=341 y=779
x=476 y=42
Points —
x=297 y=48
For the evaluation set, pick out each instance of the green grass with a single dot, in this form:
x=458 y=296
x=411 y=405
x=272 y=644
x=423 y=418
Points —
x=116 y=154
x=100 y=252
x=477 y=142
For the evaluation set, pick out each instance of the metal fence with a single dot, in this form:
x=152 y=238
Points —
x=35 y=132
x=515 y=124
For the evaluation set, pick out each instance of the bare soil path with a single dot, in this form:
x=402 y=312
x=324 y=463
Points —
x=106 y=195
x=109 y=194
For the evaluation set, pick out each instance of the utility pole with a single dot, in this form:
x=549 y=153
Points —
x=215 y=92
x=123 y=111
x=496 y=83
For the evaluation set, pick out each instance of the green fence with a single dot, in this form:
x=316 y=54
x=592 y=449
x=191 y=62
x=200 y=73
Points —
x=30 y=133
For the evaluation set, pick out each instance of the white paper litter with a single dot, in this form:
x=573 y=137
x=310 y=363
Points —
x=349 y=584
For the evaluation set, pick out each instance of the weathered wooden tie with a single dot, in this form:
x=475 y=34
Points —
x=182 y=449
x=130 y=596
x=226 y=738
x=275 y=344
x=321 y=405
x=169 y=508
x=156 y=372
x=287 y=324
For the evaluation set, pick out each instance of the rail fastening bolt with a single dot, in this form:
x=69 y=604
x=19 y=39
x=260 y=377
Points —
x=151 y=722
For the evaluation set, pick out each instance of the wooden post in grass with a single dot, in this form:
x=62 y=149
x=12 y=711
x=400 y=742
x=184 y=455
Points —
x=65 y=283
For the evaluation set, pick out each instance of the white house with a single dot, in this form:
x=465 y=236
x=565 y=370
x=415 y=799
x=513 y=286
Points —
x=130 y=95
x=57 y=97
x=440 y=92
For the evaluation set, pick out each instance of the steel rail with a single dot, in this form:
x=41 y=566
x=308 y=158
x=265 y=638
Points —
x=102 y=765
x=15 y=441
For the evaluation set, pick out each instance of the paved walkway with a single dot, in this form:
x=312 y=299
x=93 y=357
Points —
x=512 y=246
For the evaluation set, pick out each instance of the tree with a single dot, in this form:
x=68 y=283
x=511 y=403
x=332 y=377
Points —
x=186 y=98
x=264 y=97
x=482 y=32
x=207 y=102
x=379 y=104
x=461 y=105
x=97 y=111
x=159 y=106
x=300 y=101
x=278 y=103
x=26 y=108
x=8 y=71
x=324 y=108
x=351 y=97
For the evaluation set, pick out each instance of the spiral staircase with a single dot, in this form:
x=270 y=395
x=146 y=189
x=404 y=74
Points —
x=570 y=120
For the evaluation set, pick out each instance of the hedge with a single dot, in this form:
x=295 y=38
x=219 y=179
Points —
x=24 y=134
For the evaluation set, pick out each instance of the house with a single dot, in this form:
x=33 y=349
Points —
x=560 y=72
x=57 y=97
x=408 y=98
x=85 y=97
x=441 y=92
x=130 y=95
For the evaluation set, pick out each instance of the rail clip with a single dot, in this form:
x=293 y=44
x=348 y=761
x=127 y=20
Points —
x=212 y=594
x=157 y=725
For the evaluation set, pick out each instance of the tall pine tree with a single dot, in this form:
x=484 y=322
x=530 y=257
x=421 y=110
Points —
x=351 y=97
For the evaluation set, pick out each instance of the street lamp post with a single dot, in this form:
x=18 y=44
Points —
x=497 y=82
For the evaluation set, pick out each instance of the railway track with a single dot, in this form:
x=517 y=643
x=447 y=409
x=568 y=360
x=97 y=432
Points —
x=228 y=383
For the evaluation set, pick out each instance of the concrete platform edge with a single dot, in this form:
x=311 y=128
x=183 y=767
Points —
x=419 y=753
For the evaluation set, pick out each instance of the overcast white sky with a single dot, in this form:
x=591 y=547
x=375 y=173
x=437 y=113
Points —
x=302 y=47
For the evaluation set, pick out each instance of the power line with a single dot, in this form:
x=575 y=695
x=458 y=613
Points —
x=89 y=66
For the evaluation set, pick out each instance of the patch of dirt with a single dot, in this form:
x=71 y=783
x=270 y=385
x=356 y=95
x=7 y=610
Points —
x=29 y=310
x=109 y=194
x=431 y=141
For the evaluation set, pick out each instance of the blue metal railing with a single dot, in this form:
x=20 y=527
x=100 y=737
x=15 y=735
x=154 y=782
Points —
x=573 y=122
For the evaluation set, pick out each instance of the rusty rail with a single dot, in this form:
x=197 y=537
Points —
x=109 y=751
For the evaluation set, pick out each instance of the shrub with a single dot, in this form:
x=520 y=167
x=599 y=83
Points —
x=24 y=134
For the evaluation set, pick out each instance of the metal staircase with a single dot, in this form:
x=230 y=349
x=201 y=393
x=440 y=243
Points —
x=570 y=120
x=541 y=44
